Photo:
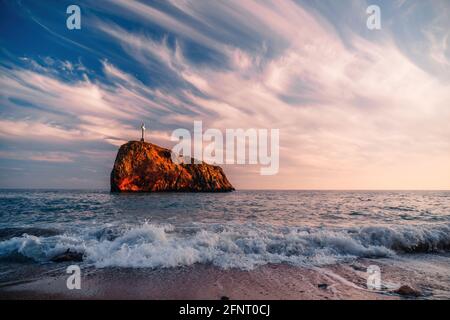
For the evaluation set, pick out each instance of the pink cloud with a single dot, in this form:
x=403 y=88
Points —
x=350 y=116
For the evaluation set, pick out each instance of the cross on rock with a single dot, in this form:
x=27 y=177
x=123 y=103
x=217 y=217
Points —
x=143 y=131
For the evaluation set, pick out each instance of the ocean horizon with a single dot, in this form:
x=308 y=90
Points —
x=106 y=189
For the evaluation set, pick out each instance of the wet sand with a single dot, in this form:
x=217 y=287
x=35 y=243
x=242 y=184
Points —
x=344 y=281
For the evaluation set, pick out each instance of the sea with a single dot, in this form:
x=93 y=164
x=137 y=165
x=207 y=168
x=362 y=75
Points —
x=241 y=230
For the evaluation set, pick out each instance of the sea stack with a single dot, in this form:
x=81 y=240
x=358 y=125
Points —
x=145 y=167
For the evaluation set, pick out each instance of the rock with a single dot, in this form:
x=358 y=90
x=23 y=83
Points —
x=145 y=167
x=322 y=286
x=406 y=290
x=224 y=298
x=68 y=256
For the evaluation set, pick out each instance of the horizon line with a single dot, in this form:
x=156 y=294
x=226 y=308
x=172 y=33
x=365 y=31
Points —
x=243 y=189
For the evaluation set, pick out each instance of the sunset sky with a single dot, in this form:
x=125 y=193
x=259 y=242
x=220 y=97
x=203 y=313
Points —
x=356 y=108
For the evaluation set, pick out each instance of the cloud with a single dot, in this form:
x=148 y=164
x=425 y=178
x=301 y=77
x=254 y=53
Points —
x=151 y=15
x=341 y=109
x=30 y=130
x=79 y=111
x=352 y=113
x=60 y=157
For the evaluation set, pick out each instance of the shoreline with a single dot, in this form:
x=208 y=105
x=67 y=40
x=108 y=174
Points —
x=346 y=281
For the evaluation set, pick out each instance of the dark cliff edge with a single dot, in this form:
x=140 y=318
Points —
x=145 y=167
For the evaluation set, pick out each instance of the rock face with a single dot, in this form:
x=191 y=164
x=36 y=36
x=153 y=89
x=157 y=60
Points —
x=145 y=167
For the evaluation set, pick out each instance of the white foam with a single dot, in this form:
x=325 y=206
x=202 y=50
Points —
x=231 y=246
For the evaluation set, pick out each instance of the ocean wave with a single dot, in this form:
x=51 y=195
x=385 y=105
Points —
x=7 y=233
x=228 y=246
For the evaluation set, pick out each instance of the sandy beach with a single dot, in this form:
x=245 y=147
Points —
x=274 y=281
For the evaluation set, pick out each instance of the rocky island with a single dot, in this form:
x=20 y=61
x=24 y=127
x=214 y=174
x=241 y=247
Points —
x=145 y=167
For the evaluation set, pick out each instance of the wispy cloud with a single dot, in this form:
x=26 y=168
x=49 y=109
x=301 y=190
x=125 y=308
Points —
x=352 y=113
x=61 y=157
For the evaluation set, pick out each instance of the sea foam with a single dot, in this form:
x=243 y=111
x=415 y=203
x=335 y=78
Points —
x=229 y=245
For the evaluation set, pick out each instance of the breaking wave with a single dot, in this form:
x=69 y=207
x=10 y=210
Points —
x=228 y=246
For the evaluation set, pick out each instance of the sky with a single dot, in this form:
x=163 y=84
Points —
x=356 y=108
